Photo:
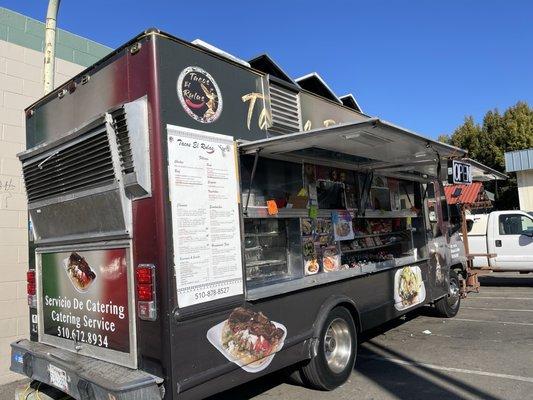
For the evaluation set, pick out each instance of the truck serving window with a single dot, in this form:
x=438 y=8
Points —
x=305 y=219
x=515 y=224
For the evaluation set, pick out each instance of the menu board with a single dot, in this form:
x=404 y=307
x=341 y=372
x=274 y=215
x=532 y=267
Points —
x=204 y=195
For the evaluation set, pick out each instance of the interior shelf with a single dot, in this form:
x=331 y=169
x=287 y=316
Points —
x=370 y=248
x=264 y=263
x=380 y=234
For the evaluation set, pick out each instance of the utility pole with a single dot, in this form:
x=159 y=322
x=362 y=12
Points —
x=50 y=45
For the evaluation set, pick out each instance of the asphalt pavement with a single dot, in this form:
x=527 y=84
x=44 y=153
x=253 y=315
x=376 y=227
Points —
x=484 y=353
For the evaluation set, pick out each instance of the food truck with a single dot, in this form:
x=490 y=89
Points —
x=197 y=221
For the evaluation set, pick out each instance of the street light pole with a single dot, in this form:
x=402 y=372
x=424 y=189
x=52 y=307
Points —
x=50 y=45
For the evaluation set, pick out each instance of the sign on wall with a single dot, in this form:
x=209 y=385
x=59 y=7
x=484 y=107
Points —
x=459 y=172
x=204 y=197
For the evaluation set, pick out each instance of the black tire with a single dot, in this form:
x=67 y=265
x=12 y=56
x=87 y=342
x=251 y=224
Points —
x=322 y=374
x=295 y=377
x=449 y=305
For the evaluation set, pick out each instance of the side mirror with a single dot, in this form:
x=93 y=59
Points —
x=528 y=234
x=454 y=229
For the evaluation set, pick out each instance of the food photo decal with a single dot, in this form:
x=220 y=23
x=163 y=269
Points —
x=248 y=338
x=80 y=273
x=409 y=288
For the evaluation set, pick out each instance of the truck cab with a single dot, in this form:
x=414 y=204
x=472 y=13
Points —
x=506 y=234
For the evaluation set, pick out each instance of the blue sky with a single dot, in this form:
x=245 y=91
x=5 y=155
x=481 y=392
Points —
x=423 y=65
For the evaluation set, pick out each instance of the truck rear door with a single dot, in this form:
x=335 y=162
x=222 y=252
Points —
x=511 y=240
x=80 y=203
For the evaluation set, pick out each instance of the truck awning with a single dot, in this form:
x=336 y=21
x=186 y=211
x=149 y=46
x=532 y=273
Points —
x=368 y=145
x=483 y=173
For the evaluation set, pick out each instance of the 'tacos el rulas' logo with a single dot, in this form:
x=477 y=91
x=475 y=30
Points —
x=199 y=95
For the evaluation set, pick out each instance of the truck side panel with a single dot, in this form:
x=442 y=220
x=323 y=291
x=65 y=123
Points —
x=200 y=366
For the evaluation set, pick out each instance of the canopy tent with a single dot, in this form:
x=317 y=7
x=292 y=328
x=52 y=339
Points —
x=372 y=145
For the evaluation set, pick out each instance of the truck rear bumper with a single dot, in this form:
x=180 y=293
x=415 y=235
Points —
x=86 y=378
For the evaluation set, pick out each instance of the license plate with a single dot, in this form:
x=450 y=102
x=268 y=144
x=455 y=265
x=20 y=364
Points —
x=58 y=378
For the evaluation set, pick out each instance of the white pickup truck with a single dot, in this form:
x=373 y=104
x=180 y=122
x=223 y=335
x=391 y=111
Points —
x=507 y=234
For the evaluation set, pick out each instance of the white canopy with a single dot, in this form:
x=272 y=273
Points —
x=372 y=144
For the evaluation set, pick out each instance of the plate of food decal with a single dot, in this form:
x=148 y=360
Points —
x=311 y=266
x=307 y=226
x=342 y=228
x=308 y=248
x=409 y=288
x=248 y=338
x=79 y=271
x=330 y=260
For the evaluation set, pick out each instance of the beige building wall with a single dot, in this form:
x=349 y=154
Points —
x=525 y=189
x=20 y=85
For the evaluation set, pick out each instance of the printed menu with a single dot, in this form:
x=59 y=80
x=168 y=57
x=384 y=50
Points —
x=205 y=215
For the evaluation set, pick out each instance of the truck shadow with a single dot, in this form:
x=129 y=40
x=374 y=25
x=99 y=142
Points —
x=494 y=279
x=406 y=379
x=393 y=372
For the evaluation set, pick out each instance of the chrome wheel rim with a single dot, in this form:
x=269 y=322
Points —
x=453 y=293
x=338 y=345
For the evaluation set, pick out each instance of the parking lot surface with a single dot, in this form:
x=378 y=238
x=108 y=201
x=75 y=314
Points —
x=485 y=352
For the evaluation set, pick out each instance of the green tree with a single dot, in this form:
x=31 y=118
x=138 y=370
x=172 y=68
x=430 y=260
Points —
x=487 y=143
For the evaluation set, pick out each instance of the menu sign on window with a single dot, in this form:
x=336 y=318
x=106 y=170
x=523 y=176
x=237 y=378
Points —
x=204 y=196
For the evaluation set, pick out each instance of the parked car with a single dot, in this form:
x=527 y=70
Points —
x=507 y=234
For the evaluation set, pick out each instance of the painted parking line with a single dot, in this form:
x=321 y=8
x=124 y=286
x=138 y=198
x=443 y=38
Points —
x=491 y=322
x=513 y=290
x=447 y=369
x=495 y=309
x=500 y=298
x=501 y=293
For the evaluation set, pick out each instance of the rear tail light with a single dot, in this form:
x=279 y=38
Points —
x=31 y=288
x=144 y=274
x=145 y=291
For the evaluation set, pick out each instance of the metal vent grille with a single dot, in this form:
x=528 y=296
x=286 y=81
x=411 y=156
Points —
x=120 y=124
x=285 y=109
x=84 y=164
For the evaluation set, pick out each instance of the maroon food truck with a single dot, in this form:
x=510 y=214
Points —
x=198 y=221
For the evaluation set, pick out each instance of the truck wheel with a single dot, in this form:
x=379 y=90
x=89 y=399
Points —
x=337 y=348
x=448 y=306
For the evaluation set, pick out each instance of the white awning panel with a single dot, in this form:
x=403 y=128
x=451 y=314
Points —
x=369 y=145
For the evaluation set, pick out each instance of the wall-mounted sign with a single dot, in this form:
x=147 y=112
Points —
x=459 y=172
x=199 y=95
x=204 y=193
